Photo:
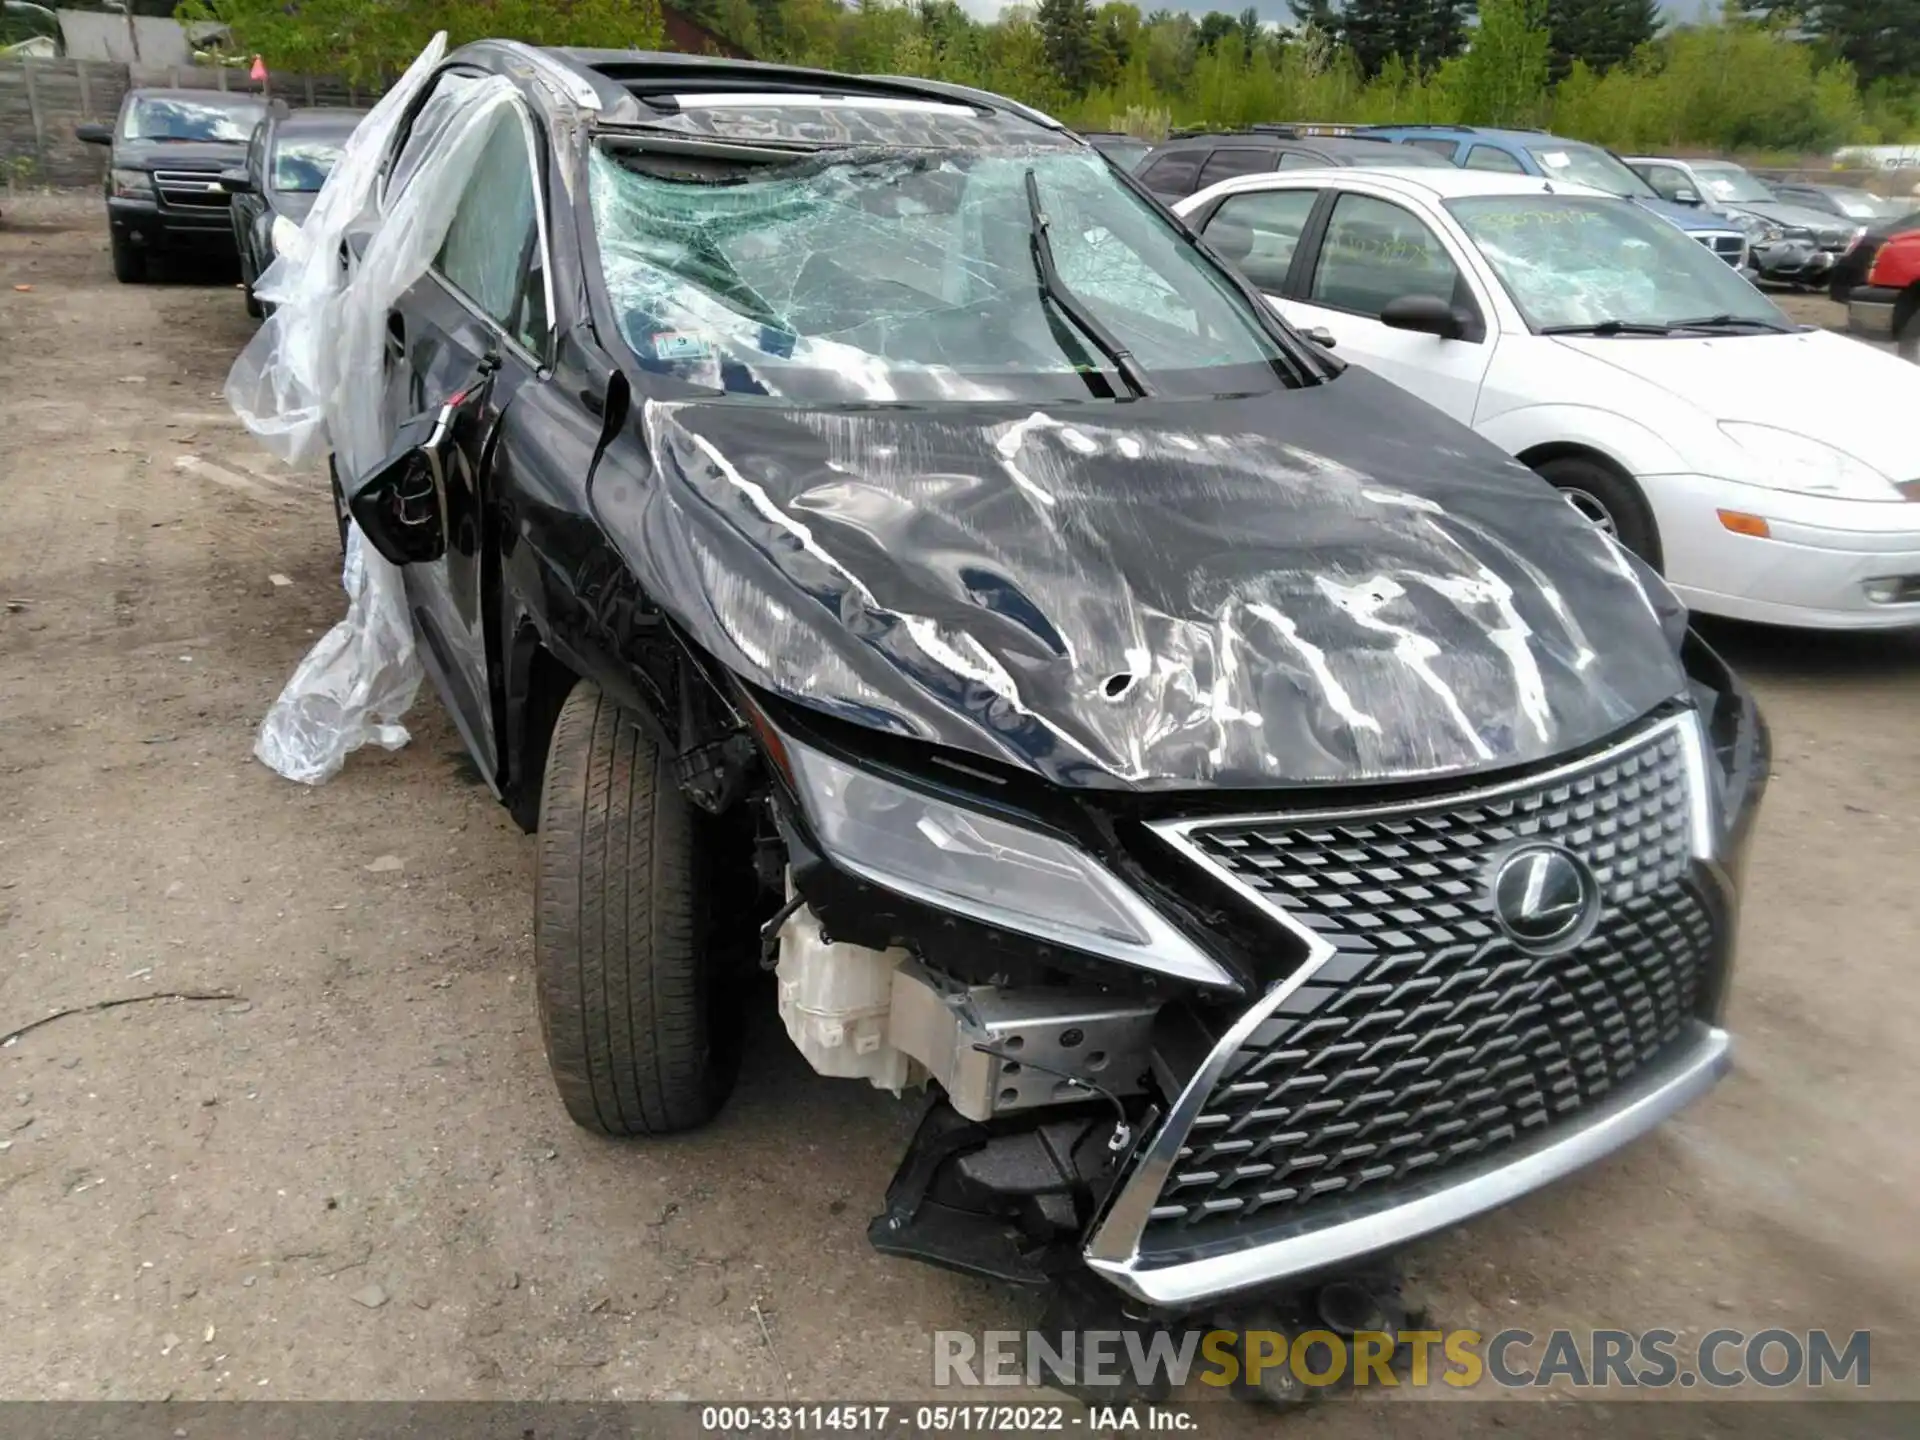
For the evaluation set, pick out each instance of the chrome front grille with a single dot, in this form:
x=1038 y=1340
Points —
x=1423 y=1038
x=1728 y=245
x=192 y=189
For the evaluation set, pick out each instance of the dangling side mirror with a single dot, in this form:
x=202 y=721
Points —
x=400 y=507
x=401 y=504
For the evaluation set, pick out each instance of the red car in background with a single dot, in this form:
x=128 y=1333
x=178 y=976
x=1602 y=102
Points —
x=1879 y=283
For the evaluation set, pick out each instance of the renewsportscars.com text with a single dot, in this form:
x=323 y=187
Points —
x=1461 y=1359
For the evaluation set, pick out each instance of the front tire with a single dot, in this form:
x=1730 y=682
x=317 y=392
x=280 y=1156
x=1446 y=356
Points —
x=1906 y=339
x=129 y=262
x=1608 y=500
x=621 y=953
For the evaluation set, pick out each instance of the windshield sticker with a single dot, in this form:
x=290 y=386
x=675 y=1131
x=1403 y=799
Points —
x=679 y=345
x=1523 y=219
x=1558 y=159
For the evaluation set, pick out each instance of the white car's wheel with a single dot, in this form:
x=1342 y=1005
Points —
x=1608 y=500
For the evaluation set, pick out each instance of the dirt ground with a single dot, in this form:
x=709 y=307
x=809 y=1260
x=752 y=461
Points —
x=354 y=1178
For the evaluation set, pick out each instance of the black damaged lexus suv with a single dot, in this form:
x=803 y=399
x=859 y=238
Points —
x=868 y=539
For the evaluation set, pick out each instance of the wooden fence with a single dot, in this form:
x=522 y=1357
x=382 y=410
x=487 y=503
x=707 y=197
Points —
x=42 y=100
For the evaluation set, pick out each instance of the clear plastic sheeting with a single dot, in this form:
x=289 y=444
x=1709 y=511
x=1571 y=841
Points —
x=353 y=687
x=313 y=382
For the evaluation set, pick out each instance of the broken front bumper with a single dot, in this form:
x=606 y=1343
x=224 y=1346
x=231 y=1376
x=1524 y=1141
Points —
x=1396 y=1219
x=1793 y=260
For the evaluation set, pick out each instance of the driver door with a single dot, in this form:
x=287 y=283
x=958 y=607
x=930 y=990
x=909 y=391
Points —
x=1373 y=251
x=460 y=345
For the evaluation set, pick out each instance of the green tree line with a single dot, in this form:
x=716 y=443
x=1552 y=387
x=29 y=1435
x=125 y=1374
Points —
x=1765 y=75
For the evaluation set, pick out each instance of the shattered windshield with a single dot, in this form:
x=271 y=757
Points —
x=171 y=117
x=1586 y=165
x=303 y=165
x=1568 y=260
x=911 y=276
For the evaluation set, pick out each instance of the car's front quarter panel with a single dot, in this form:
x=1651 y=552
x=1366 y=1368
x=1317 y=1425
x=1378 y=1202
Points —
x=1525 y=404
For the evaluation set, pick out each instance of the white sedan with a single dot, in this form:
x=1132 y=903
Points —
x=1771 y=472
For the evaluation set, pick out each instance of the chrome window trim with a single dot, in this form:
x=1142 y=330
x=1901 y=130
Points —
x=1113 y=1248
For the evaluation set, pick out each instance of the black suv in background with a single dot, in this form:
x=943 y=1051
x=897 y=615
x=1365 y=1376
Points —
x=165 y=189
x=1187 y=165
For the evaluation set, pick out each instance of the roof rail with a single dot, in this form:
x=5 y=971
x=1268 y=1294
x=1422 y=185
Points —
x=1330 y=129
x=985 y=99
x=652 y=77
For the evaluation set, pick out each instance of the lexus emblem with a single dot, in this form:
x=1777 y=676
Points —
x=1543 y=895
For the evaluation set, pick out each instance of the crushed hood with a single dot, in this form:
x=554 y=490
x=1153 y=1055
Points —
x=1328 y=584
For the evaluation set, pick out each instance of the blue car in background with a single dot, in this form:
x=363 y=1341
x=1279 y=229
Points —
x=1552 y=157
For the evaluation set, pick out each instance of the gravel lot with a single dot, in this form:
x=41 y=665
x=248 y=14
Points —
x=355 y=1179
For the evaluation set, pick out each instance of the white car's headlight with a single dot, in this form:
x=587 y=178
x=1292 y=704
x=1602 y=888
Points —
x=1783 y=460
x=978 y=865
x=288 y=239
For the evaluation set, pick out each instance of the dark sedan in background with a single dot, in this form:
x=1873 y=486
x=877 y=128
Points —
x=289 y=158
x=166 y=187
x=1849 y=202
x=1190 y=163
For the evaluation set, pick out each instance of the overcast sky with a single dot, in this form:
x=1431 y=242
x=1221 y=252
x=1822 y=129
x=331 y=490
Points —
x=1269 y=9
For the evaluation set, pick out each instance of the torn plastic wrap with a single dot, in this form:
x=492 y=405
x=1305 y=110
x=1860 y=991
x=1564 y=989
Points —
x=312 y=383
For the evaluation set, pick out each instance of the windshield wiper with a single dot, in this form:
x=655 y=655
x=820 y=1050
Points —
x=1054 y=289
x=1732 y=322
x=1608 y=327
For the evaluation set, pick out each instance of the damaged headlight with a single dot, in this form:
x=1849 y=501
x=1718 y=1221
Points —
x=1783 y=460
x=987 y=868
x=132 y=184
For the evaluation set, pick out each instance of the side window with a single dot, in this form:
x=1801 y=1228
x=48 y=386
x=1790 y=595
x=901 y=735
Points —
x=1376 y=251
x=1173 y=174
x=1667 y=180
x=1488 y=157
x=492 y=250
x=1299 y=160
x=418 y=136
x=1225 y=164
x=1443 y=148
x=1260 y=232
